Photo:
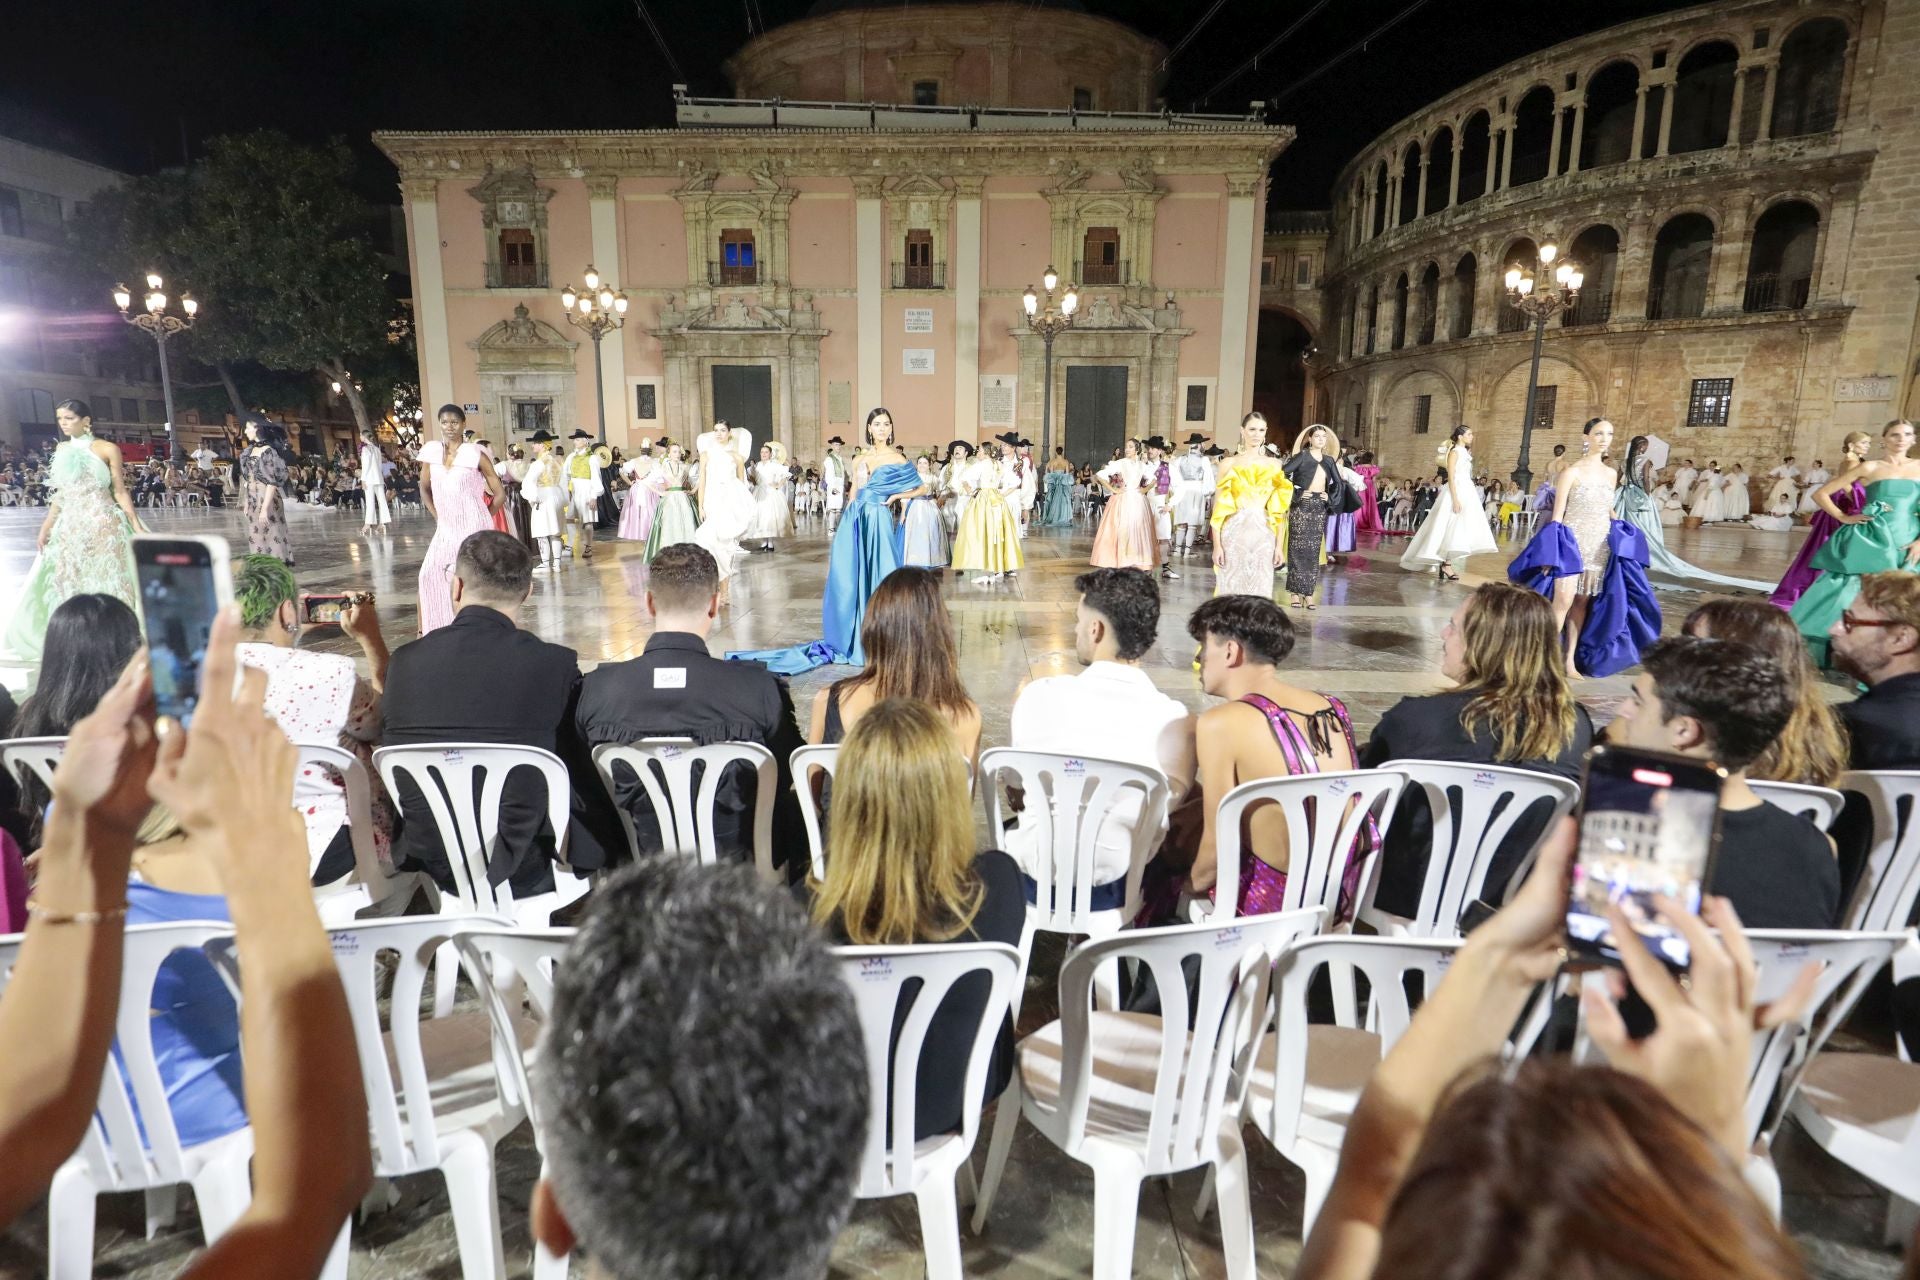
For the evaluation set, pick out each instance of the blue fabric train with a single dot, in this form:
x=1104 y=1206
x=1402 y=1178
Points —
x=1623 y=620
x=867 y=547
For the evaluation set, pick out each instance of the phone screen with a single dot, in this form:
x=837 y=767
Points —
x=1649 y=824
x=326 y=610
x=182 y=585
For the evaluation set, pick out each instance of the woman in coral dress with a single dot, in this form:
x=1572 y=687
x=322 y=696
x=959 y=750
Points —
x=455 y=491
x=1127 y=538
x=1251 y=499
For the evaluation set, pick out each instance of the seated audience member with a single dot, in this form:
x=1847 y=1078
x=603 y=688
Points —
x=1725 y=703
x=317 y=698
x=907 y=636
x=676 y=689
x=1110 y=711
x=1877 y=640
x=754 y=1182
x=90 y=639
x=1632 y=1169
x=1513 y=707
x=1267 y=729
x=433 y=694
x=1812 y=749
x=902 y=867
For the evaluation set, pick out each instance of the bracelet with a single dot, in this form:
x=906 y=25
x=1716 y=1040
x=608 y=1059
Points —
x=37 y=912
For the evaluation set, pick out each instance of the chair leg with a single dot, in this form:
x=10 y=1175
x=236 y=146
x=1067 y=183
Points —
x=467 y=1162
x=1020 y=978
x=70 y=1210
x=1116 y=1210
x=163 y=1207
x=939 y=1228
x=1106 y=986
x=1319 y=1168
x=1236 y=1208
x=223 y=1190
x=1005 y=1120
x=446 y=973
x=549 y=1266
x=1204 y=1205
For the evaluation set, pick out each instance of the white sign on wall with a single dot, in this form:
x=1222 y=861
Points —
x=997 y=400
x=1874 y=388
x=919 y=319
x=916 y=360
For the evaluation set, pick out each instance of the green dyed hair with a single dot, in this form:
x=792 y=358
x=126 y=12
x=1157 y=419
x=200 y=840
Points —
x=260 y=584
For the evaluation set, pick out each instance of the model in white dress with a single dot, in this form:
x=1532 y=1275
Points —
x=1456 y=527
x=1739 y=493
x=1812 y=481
x=1710 y=497
x=1785 y=488
x=773 y=513
x=726 y=504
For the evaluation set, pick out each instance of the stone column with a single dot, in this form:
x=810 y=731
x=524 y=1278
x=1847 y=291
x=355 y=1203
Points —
x=1630 y=270
x=603 y=213
x=1499 y=179
x=1770 y=81
x=1836 y=229
x=1739 y=100
x=869 y=274
x=1237 y=294
x=1443 y=307
x=1639 y=122
x=1553 y=148
x=1453 y=177
x=429 y=292
x=1420 y=179
x=1579 y=131
x=1666 y=117
x=1487 y=290
x=966 y=307
x=1731 y=240
x=1393 y=202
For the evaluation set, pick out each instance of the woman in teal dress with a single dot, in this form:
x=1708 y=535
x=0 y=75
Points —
x=1884 y=535
x=84 y=539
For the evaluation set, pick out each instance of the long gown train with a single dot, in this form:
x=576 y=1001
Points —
x=1634 y=504
x=87 y=549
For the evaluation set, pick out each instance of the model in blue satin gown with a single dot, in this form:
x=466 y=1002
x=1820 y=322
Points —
x=1058 y=511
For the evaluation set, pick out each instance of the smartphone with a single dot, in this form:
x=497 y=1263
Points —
x=325 y=610
x=1649 y=824
x=183 y=583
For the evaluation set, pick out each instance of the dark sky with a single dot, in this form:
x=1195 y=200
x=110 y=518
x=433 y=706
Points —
x=127 y=80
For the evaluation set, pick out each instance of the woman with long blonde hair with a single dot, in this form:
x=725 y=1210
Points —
x=1812 y=749
x=1511 y=705
x=903 y=868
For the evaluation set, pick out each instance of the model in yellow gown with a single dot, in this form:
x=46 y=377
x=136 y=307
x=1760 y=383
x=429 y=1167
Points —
x=1250 y=505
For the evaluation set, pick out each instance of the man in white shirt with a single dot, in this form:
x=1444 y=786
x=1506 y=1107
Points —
x=203 y=457
x=1110 y=711
x=833 y=476
x=373 y=478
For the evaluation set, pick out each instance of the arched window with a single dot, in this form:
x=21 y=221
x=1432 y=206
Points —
x=1439 y=170
x=1429 y=309
x=1780 y=265
x=1409 y=183
x=1607 y=135
x=1475 y=143
x=1703 y=98
x=1806 y=95
x=1681 y=254
x=1522 y=252
x=1379 y=198
x=1465 y=274
x=1597 y=250
x=1400 y=312
x=1532 y=136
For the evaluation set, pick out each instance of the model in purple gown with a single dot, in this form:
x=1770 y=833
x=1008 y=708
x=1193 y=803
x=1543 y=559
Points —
x=1801 y=573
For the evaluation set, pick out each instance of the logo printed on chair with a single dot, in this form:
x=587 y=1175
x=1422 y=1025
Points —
x=1225 y=939
x=1076 y=768
x=1482 y=780
x=876 y=969
x=346 y=944
x=453 y=757
x=1339 y=785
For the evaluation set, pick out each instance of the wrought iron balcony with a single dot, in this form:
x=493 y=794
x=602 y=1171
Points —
x=1594 y=306
x=516 y=275
x=919 y=275
x=1770 y=292
x=721 y=274
x=1087 y=273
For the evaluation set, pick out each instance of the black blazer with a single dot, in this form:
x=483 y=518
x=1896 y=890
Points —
x=482 y=679
x=1299 y=470
x=676 y=689
x=1883 y=725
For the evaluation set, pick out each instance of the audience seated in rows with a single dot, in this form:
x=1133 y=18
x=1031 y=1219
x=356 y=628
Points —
x=676 y=689
x=1812 y=749
x=1877 y=640
x=903 y=866
x=90 y=640
x=1512 y=706
x=704 y=1087
x=1110 y=711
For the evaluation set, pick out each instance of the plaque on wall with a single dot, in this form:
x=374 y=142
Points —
x=646 y=404
x=1196 y=402
x=839 y=402
x=919 y=319
x=997 y=400
x=515 y=211
x=916 y=360
x=1875 y=388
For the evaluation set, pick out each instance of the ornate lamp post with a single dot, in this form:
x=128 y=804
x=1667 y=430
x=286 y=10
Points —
x=1048 y=320
x=1539 y=306
x=162 y=324
x=600 y=310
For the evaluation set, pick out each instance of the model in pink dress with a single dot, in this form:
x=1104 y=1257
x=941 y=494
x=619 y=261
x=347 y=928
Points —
x=459 y=498
x=1127 y=538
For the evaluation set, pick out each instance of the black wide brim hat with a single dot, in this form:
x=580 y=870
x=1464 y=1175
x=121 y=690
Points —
x=580 y=435
x=968 y=445
x=1196 y=438
x=542 y=437
x=1008 y=437
x=836 y=440
x=1155 y=442
x=1216 y=452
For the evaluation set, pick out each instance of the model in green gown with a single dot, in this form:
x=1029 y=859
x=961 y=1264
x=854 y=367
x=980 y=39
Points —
x=1885 y=539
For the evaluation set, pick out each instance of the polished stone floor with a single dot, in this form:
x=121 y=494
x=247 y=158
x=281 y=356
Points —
x=1375 y=639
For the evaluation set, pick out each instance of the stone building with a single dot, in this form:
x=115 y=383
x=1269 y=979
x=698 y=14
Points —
x=856 y=229
x=1740 y=182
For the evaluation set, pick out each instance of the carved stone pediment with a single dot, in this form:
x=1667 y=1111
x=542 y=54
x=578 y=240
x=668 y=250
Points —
x=733 y=313
x=511 y=198
x=1101 y=312
x=520 y=341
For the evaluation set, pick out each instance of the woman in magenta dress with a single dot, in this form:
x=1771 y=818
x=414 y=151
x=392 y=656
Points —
x=1801 y=573
x=1370 y=521
x=455 y=493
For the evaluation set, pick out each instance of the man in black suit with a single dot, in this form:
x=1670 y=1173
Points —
x=482 y=679
x=1878 y=640
x=676 y=689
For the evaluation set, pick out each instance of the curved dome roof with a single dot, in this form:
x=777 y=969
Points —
x=820 y=7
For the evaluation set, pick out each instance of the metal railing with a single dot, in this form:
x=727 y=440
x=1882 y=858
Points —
x=919 y=275
x=1103 y=272
x=1675 y=304
x=1511 y=320
x=721 y=274
x=698 y=112
x=516 y=275
x=1594 y=306
x=1771 y=292
x=1428 y=318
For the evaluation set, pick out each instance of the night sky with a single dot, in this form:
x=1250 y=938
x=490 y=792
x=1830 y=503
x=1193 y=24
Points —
x=130 y=82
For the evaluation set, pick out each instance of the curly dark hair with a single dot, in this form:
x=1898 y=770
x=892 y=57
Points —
x=1739 y=694
x=1261 y=626
x=1130 y=602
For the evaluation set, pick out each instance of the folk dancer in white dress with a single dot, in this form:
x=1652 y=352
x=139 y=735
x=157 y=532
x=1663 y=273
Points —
x=1029 y=482
x=1192 y=487
x=374 y=484
x=1739 y=493
x=1811 y=483
x=1785 y=487
x=954 y=495
x=584 y=487
x=773 y=514
x=1668 y=503
x=1455 y=527
x=546 y=492
x=925 y=542
x=1684 y=478
x=726 y=504
x=833 y=479
x=1710 y=495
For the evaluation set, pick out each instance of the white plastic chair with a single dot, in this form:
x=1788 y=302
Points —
x=1890 y=880
x=34 y=758
x=112 y=1156
x=1325 y=815
x=1135 y=1096
x=684 y=810
x=370 y=884
x=892 y=1163
x=812 y=768
x=1818 y=805
x=1068 y=799
x=1467 y=833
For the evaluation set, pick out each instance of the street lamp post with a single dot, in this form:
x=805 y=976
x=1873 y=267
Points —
x=599 y=310
x=162 y=324
x=1048 y=320
x=1539 y=306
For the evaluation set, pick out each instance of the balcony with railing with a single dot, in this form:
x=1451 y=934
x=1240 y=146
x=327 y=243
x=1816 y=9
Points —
x=1770 y=292
x=919 y=275
x=1511 y=320
x=1119 y=272
x=1426 y=318
x=1594 y=306
x=726 y=274
x=516 y=275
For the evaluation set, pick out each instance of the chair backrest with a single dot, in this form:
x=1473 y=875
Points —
x=533 y=955
x=35 y=758
x=681 y=782
x=1474 y=807
x=1068 y=799
x=1890 y=880
x=1326 y=814
x=463 y=783
x=400 y=1084
x=882 y=978
x=812 y=769
x=1234 y=963
x=1386 y=963
x=1818 y=805
x=337 y=760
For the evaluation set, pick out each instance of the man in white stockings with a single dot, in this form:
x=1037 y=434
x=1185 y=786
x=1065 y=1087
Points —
x=1192 y=486
x=833 y=478
x=373 y=482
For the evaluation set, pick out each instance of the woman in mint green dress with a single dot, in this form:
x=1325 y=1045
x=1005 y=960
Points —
x=83 y=540
x=1884 y=535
